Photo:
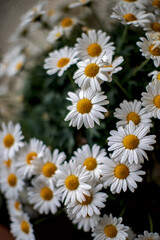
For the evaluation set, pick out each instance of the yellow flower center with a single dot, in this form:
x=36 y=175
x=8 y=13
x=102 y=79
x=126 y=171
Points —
x=91 y=70
x=30 y=157
x=156 y=3
x=82 y=1
x=155 y=51
x=25 y=227
x=121 y=171
x=8 y=162
x=94 y=50
x=49 y=169
x=17 y=205
x=58 y=35
x=66 y=22
x=156 y=26
x=72 y=182
x=129 y=17
x=18 y=66
x=156 y=101
x=62 y=62
x=12 y=180
x=90 y=163
x=84 y=106
x=88 y=200
x=8 y=140
x=110 y=231
x=133 y=117
x=130 y=142
x=46 y=193
x=158 y=76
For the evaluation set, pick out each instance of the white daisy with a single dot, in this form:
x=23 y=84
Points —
x=11 y=183
x=109 y=228
x=87 y=108
x=151 y=99
x=120 y=176
x=21 y=228
x=80 y=3
x=148 y=235
x=67 y=24
x=73 y=182
x=55 y=34
x=46 y=167
x=153 y=25
x=7 y=163
x=14 y=207
x=86 y=223
x=90 y=73
x=92 y=204
x=93 y=45
x=155 y=76
x=150 y=49
x=60 y=60
x=129 y=14
x=10 y=139
x=155 y=4
x=129 y=144
x=132 y=111
x=137 y=3
x=44 y=197
x=91 y=159
x=31 y=151
x=51 y=15
x=131 y=234
x=16 y=65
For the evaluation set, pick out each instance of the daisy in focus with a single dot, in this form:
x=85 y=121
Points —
x=132 y=111
x=60 y=60
x=55 y=34
x=150 y=49
x=91 y=159
x=10 y=139
x=44 y=197
x=91 y=73
x=120 y=176
x=129 y=144
x=31 y=151
x=155 y=76
x=110 y=227
x=46 y=168
x=73 y=183
x=21 y=228
x=92 y=204
x=129 y=14
x=151 y=99
x=148 y=235
x=93 y=44
x=87 y=108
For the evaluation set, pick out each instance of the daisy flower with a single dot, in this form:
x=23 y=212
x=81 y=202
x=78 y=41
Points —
x=16 y=65
x=46 y=167
x=151 y=99
x=73 y=183
x=31 y=151
x=10 y=139
x=155 y=4
x=155 y=76
x=55 y=34
x=150 y=49
x=91 y=159
x=90 y=73
x=93 y=44
x=86 y=223
x=110 y=227
x=21 y=228
x=132 y=111
x=60 y=60
x=11 y=183
x=51 y=15
x=137 y=3
x=129 y=14
x=147 y=236
x=92 y=203
x=129 y=144
x=120 y=176
x=154 y=24
x=87 y=108
x=7 y=163
x=14 y=207
x=67 y=24
x=44 y=197
x=80 y=3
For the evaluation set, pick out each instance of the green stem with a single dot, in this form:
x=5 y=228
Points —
x=122 y=40
x=150 y=222
x=71 y=79
x=122 y=212
x=137 y=69
x=48 y=217
x=97 y=19
x=122 y=89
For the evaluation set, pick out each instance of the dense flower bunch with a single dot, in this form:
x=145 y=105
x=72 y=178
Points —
x=80 y=177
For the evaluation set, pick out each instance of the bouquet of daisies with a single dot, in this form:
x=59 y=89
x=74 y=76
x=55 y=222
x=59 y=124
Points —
x=79 y=138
